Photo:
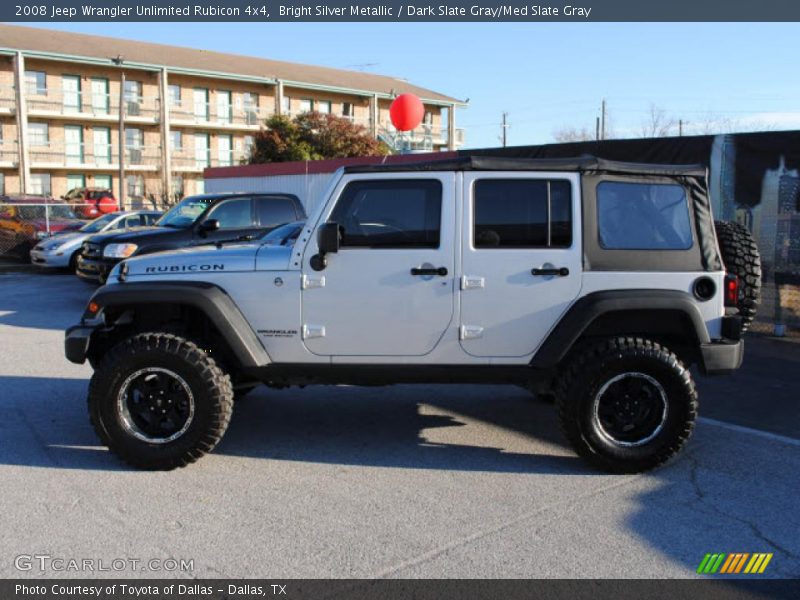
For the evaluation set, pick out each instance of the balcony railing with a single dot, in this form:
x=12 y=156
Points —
x=209 y=113
x=97 y=156
x=189 y=161
x=8 y=99
x=9 y=153
x=57 y=101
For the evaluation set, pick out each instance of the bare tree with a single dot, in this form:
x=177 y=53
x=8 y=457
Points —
x=658 y=123
x=573 y=134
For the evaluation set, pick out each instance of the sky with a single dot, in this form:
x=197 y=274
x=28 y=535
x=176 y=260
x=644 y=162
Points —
x=546 y=76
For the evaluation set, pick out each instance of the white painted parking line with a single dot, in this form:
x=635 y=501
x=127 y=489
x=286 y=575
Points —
x=757 y=432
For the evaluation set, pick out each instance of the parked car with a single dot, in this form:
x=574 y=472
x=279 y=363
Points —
x=196 y=220
x=62 y=249
x=25 y=220
x=598 y=283
x=90 y=203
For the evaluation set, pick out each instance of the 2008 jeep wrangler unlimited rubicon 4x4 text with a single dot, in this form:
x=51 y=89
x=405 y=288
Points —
x=600 y=283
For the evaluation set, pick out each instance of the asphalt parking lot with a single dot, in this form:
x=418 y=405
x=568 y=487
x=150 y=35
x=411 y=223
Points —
x=406 y=481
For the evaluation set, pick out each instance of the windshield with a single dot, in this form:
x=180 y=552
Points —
x=98 y=224
x=55 y=211
x=183 y=214
x=282 y=235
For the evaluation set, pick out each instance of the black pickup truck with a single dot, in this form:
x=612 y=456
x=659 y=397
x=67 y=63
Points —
x=196 y=220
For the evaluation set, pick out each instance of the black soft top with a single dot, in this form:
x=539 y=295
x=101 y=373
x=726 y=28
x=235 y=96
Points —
x=582 y=164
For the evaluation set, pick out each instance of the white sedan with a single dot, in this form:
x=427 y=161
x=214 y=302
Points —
x=62 y=250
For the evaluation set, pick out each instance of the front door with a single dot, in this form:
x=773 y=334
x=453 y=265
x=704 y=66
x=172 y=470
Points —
x=100 y=96
x=521 y=255
x=389 y=289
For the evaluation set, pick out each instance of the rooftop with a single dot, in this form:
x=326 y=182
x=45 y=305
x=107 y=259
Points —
x=145 y=54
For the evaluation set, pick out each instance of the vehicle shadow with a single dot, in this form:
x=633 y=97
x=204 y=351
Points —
x=43 y=423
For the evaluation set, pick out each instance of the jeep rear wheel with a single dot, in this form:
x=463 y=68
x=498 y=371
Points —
x=159 y=402
x=626 y=404
x=741 y=258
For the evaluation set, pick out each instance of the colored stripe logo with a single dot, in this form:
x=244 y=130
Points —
x=734 y=563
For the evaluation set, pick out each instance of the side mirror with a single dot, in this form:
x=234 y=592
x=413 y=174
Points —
x=208 y=226
x=328 y=238
x=328 y=243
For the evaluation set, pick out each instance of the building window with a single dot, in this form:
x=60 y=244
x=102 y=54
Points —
x=40 y=184
x=174 y=93
x=306 y=105
x=201 y=150
x=101 y=140
x=102 y=181
x=135 y=186
x=323 y=106
x=2 y=184
x=224 y=107
x=39 y=134
x=75 y=181
x=286 y=105
x=177 y=186
x=133 y=97
x=176 y=141
x=200 y=96
x=247 y=143
x=134 y=140
x=36 y=83
x=73 y=143
x=100 y=96
x=428 y=118
x=224 y=150
x=347 y=110
x=250 y=101
x=71 y=93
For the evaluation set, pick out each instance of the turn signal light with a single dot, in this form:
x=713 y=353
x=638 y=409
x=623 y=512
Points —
x=92 y=308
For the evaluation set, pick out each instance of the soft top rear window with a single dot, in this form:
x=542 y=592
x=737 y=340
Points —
x=643 y=216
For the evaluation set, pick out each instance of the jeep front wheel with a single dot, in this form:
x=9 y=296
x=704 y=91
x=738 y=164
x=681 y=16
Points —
x=626 y=404
x=159 y=402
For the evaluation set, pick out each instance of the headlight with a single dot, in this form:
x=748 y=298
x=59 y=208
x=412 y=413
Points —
x=50 y=247
x=119 y=250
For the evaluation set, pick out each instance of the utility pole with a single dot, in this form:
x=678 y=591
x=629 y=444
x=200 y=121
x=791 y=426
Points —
x=603 y=119
x=597 y=128
x=505 y=129
x=680 y=127
x=121 y=146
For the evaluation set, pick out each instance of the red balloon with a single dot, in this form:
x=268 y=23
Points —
x=406 y=112
x=107 y=205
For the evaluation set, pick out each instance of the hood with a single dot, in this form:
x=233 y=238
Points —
x=133 y=234
x=195 y=262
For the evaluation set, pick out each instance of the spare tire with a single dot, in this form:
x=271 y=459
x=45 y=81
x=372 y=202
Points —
x=741 y=258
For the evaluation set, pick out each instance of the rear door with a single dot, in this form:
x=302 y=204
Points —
x=521 y=256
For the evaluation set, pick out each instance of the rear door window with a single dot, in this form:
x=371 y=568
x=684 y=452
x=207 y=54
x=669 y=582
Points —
x=643 y=216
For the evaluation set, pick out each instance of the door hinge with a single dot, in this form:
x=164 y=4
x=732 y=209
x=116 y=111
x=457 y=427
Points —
x=471 y=332
x=310 y=283
x=469 y=282
x=313 y=331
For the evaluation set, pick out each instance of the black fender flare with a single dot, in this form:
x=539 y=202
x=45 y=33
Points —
x=210 y=299
x=589 y=308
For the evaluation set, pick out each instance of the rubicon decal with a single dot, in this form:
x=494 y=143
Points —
x=184 y=268
x=741 y=563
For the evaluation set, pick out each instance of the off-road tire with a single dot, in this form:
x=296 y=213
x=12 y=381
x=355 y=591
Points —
x=596 y=365
x=741 y=258
x=209 y=384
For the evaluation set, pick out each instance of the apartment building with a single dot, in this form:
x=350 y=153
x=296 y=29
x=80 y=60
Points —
x=83 y=110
